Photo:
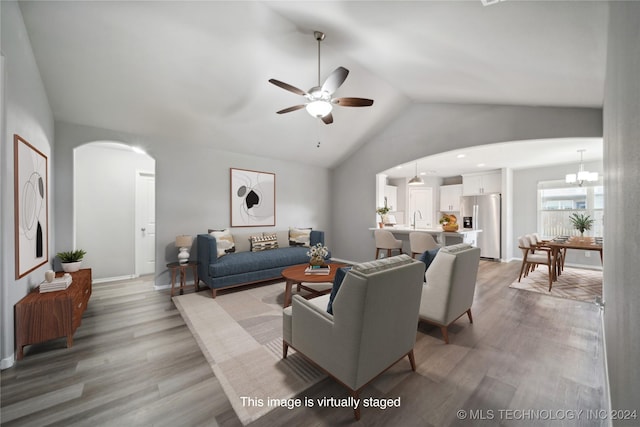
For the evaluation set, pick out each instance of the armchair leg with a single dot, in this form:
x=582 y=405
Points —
x=470 y=317
x=285 y=349
x=412 y=360
x=445 y=334
x=356 y=411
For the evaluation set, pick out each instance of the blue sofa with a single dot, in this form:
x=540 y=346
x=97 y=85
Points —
x=242 y=268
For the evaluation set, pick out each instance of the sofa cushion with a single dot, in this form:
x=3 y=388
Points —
x=243 y=241
x=224 y=241
x=337 y=281
x=264 y=243
x=243 y=262
x=299 y=236
x=282 y=237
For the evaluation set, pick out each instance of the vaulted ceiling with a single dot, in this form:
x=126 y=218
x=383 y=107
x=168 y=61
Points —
x=197 y=72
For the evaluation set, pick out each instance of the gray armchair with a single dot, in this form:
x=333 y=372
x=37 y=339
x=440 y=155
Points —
x=373 y=326
x=450 y=285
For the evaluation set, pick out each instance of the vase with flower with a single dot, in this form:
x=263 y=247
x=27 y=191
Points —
x=317 y=254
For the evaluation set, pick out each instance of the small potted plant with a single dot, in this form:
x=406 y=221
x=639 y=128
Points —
x=449 y=222
x=383 y=211
x=581 y=222
x=71 y=260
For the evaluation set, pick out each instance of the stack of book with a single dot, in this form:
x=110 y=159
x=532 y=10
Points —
x=57 y=284
x=317 y=269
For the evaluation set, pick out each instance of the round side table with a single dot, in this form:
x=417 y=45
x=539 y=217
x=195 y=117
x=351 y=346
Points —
x=175 y=267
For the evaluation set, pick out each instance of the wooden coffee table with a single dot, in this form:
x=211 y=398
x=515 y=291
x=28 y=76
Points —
x=295 y=275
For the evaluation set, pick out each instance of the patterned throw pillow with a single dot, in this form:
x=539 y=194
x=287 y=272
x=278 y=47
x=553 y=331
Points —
x=263 y=243
x=299 y=236
x=224 y=241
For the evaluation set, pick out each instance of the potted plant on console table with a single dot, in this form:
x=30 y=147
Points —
x=71 y=260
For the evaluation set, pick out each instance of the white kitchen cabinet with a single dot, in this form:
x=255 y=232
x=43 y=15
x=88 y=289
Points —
x=482 y=183
x=450 y=198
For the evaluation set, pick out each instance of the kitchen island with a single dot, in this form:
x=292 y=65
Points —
x=445 y=238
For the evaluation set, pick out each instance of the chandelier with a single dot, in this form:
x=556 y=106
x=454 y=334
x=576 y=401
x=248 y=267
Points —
x=582 y=175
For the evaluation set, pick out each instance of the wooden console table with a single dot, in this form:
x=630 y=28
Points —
x=42 y=317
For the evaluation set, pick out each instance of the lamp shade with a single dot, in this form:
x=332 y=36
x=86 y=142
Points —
x=184 y=241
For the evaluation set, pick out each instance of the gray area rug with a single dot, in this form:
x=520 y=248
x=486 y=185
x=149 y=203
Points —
x=574 y=283
x=240 y=334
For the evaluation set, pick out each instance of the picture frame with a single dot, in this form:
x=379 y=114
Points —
x=31 y=206
x=252 y=198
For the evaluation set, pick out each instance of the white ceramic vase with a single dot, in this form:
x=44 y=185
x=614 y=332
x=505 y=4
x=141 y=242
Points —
x=70 y=267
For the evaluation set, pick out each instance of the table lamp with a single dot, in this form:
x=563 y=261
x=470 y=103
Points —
x=184 y=243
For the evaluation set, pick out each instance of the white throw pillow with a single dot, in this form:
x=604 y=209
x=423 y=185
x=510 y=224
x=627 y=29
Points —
x=224 y=241
x=299 y=236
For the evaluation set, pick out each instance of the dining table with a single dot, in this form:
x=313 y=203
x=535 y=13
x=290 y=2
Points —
x=558 y=245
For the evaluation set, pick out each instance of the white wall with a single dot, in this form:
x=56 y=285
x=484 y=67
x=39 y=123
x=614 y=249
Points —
x=26 y=112
x=192 y=188
x=425 y=129
x=622 y=205
x=105 y=187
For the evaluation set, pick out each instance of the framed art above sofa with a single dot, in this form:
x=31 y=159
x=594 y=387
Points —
x=252 y=198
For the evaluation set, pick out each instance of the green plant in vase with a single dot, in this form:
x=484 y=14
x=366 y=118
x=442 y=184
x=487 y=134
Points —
x=581 y=222
x=71 y=260
x=383 y=211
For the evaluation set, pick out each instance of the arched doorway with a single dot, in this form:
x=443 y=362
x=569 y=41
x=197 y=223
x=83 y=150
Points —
x=114 y=209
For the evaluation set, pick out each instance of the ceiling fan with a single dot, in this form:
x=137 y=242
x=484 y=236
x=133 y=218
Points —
x=319 y=98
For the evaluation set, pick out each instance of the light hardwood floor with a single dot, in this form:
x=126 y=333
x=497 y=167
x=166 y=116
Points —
x=135 y=363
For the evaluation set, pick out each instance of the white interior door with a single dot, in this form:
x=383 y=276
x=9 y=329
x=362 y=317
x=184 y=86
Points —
x=421 y=203
x=145 y=223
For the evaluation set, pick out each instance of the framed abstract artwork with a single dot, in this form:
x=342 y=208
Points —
x=31 y=206
x=253 y=198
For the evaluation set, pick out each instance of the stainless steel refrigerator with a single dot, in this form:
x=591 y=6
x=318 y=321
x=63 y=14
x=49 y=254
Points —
x=483 y=213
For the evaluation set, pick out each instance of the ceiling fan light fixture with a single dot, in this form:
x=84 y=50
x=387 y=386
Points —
x=319 y=108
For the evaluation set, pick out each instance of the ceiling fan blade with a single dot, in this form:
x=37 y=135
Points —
x=288 y=87
x=290 y=109
x=328 y=119
x=353 y=102
x=335 y=79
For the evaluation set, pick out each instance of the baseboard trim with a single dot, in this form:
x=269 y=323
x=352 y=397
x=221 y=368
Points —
x=114 y=279
x=607 y=388
x=161 y=287
x=7 y=362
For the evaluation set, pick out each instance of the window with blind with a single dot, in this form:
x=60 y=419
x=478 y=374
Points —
x=557 y=200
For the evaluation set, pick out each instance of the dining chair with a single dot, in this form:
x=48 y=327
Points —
x=421 y=242
x=540 y=244
x=385 y=240
x=530 y=259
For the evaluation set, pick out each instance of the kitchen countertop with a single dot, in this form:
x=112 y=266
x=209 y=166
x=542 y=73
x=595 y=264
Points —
x=407 y=230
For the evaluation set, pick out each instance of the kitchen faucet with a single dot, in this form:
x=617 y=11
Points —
x=414 y=217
